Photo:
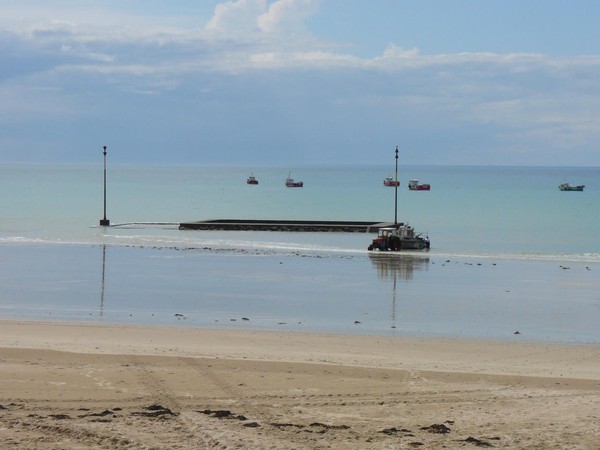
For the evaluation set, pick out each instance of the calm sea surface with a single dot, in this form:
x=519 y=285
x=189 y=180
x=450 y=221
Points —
x=510 y=252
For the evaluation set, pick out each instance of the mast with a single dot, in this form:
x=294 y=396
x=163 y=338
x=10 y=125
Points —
x=104 y=222
x=396 y=192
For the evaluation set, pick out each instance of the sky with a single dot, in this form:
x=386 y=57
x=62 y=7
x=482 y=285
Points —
x=300 y=82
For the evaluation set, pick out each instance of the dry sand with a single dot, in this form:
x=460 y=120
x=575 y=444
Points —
x=95 y=386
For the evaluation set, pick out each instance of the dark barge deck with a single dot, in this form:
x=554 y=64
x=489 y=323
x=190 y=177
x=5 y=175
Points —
x=286 y=225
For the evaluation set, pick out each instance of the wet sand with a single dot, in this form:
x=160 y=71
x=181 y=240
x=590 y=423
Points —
x=101 y=386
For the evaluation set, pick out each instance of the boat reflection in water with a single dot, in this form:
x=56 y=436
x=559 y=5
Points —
x=102 y=282
x=397 y=266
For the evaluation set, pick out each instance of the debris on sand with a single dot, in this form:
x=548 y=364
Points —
x=478 y=442
x=155 y=411
x=438 y=428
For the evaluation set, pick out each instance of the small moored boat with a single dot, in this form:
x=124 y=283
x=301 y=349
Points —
x=289 y=182
x=414 y=185
x=389 y=181
x=251 y=180
x=568 y=187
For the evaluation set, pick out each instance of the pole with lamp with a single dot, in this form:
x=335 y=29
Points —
x=396 y=192
x=104 y=222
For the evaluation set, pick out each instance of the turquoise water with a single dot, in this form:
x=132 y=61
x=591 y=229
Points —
x=480 y=211
x=510 y=252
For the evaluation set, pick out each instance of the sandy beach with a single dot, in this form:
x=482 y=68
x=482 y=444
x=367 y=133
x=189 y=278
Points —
x=101 y=386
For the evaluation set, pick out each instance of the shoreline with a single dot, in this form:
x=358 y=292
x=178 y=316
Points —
x=259 y=247
x=394 y=352
x=97 y=386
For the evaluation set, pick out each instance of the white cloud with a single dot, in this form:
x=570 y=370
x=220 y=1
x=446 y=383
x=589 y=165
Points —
x=82 y=52
x=393 y=52
x=237 y=16
x=240 y=17
x=53 y=59
x=303 y=60
x=288 y=16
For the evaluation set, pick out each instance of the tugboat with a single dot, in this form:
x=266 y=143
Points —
x=251 y=180
x=389 y=181
x=568 y=187
x=399 y=237
x=414 y=185
x=289 y=182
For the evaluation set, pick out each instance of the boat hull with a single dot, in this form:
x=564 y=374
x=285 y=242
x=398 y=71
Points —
x=389 y=181
x=568 y=187
x=414 y=185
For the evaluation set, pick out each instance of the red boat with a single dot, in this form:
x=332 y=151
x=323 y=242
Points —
x=389 y=181
x=289 y=182
x=414 y=185
x=252 y=180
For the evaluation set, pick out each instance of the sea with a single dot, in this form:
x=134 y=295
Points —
x=512 y=257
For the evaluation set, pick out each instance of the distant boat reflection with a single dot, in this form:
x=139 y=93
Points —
x=395 y=266
x=102 y=281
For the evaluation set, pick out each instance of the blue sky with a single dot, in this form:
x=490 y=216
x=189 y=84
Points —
x=291 y=82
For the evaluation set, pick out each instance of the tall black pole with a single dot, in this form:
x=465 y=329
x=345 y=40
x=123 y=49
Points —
x=104 y=222
x=396 y=192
